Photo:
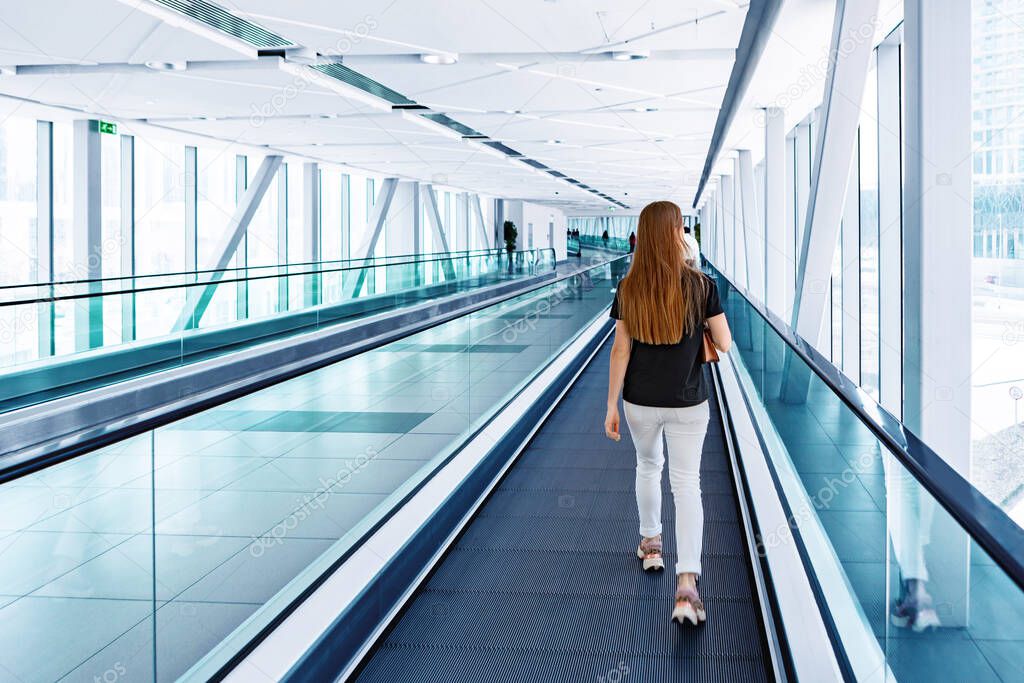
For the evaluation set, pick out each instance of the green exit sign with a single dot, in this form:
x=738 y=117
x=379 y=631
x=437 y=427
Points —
x=108 y=127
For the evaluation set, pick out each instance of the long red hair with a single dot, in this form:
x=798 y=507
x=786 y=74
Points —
x=662 y=297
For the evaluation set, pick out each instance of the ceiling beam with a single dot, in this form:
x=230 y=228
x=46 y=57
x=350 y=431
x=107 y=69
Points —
x=757 y=28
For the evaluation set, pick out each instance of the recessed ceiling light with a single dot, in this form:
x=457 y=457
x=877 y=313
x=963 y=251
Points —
x=629 y=56
x=439 y=58
x=553 y=142
x=167 y=66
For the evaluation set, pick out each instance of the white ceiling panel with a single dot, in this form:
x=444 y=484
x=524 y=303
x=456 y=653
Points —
x=537 y=75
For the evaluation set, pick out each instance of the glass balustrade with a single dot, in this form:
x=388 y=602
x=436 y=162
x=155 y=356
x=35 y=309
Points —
x=106 y=330
x=910 y=591
x=168 y=552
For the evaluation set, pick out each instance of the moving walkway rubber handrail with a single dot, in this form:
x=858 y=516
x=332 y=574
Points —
x=985 y=522
x=61 y=283
x=137 y=290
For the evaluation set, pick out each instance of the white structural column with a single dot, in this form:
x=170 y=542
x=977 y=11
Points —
x=44 y=233
x=849 y=55
x=777 y=244
x=462 y=220
x=753 y=237
x=241 y=252
x=346 y=216
x=311 y=229
x=711 y=230
x=88 y=235
x=890 y=230
x=728 y=222
x=937 y=225
x=282 y=237
x=191 y=191
x=789 y=235
x=197 y=301
x=739 y=242
x=720 y=238
x=849 y=247
x=802 y=167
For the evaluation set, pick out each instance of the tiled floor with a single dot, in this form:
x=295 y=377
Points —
x=136 y=560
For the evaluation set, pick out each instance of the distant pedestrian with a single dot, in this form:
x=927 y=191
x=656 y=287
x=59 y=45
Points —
x=632 y=242
x=692 y=247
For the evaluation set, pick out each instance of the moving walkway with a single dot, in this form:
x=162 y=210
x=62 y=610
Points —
x=445 y=507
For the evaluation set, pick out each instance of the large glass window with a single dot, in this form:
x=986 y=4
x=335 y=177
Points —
x=868 y=140
x=17 y=199
x=331 y=208
x=160 y=235
x=357 y=214
x=18 y=326
x=261 y=245
x=215 y=197
x=997 y=393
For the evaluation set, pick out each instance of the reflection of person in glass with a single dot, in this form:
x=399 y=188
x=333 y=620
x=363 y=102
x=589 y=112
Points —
x=910 y=516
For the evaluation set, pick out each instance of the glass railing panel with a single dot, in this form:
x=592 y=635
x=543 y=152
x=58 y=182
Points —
x=148 y=311
x=912 y=598
x=146 y=555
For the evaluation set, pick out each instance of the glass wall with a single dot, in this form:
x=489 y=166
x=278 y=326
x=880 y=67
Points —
x=261 y=247
x=17 y=232
x=617 y=226
x=167 y=234
x=997 y=393
x=63 y=235
x=215 y=197
x=868 y=196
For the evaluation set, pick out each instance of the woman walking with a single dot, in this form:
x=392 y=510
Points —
x=661 y=308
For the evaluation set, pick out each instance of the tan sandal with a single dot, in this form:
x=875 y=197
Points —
x=688 y=607
x=649 y=551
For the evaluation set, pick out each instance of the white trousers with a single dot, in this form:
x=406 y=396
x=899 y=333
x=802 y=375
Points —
x=684 y=430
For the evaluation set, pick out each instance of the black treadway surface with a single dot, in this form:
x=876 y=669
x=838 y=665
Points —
x=544 y=583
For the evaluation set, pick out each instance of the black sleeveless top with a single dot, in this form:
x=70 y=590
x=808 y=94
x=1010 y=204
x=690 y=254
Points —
x=669 y=375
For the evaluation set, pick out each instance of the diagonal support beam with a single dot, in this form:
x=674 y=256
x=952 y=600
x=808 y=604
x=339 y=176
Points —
x=434 y=216
x=199 y=298
x=376 y=222
x=478 y=210
x=849 y=56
